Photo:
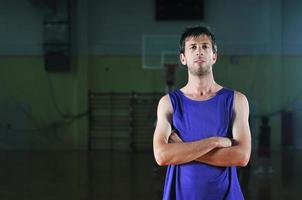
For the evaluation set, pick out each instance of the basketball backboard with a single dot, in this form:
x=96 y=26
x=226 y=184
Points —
x=158 y=50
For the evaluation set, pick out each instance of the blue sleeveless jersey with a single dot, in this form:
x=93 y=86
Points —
x=195 y=120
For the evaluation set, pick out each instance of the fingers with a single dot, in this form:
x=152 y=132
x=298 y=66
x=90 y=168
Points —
x=174 y=138
x=225 y=142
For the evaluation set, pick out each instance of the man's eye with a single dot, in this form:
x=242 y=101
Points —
x=193 y=47
x=205 y=47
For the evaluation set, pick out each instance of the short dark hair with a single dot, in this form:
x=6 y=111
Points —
x=195 y=32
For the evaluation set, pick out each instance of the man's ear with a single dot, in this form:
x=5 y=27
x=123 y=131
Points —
x=214 y=58
x=182 y=59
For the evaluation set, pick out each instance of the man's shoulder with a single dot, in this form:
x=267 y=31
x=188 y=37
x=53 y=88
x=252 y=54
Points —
x=239 y=95
x=164 y=98
x=240 y=100
x=170 y=95
x=164 y=104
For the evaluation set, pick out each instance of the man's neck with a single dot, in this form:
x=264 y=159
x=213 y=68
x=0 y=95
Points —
x=201 y=85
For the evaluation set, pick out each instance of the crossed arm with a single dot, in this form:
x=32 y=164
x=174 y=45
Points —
x=219 y=151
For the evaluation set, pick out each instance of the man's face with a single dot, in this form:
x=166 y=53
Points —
x=198 y=56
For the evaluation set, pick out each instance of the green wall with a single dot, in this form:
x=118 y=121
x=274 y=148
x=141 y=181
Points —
x=42 y=100
x=125 y=74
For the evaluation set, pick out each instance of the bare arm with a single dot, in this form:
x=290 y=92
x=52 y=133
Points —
x=166 y=153
x=239 y=153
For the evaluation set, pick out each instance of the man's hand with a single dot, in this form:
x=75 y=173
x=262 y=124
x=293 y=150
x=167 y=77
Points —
x=223 y=142
x=174 y=138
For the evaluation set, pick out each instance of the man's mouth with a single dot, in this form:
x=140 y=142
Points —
x=199 y=61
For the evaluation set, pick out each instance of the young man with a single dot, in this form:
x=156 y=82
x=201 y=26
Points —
x=202 y=130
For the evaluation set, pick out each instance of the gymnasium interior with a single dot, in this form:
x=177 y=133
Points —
x=80 y=82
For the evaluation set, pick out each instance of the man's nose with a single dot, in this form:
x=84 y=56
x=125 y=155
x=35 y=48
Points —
x=199 y=50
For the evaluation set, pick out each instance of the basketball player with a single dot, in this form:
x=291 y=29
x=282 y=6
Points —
x=202 y=131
